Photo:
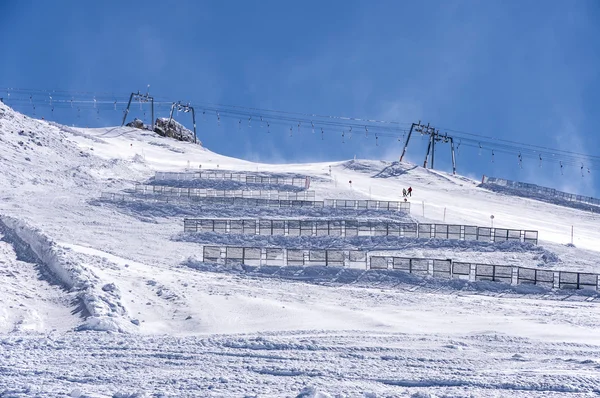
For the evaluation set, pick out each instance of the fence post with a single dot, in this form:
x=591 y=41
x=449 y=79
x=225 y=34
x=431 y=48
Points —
x=423 y=208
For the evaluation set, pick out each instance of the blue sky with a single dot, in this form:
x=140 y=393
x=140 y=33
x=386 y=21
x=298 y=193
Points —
x=518 y=70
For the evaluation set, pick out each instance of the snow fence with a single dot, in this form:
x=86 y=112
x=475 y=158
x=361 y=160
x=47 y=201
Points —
x=348 y=228
x=232 y=256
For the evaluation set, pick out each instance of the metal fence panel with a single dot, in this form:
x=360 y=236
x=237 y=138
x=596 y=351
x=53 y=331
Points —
x=317 y=257
x=364 y=228
x=236 y=226
x=274 y=256
x=293 y=227
x=568 y=280
x=335 y=258
x=378 y=262
x=471 y=233
x=306 y=228
x=588 y=281
x=514 y=235
x=401 y=263
x=454 y=232
x=335 y=228
x=441 y=231
x=351 y=228
x=535 y=276
x=484 y=234
x=234 y=255
x=461 y=270
x=249 y=227
x=424 y=231
x=252 y=256
x=211 y=254
x=531 y=236
x=409 y=231
x=442 y=268
x=419 y=266
x=357 y=259
x=295 y=257
x=278 y=227
x=500 y=235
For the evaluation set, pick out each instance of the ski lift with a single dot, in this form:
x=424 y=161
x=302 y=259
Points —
x=298 y=127
x=376 y=140
x=250 y=122
x=350 y=132
x=520 y=160
x=115 y=104
x=343 y=138
x=366 y=131
x=268 y=128
x=261 y=122
x=203 y=115
x=240 y=124
x=540 y=160
x=290 y=131
x=492 y=156
x=561 y=168
x=312 y=126
x=479 y=149
x=218 y=119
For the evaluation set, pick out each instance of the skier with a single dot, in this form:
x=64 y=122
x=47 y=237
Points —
x=410 y=191
x=404 y=192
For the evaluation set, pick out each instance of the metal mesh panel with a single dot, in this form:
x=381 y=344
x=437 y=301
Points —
x=424 y=230
x=588 y=281
x=567 y=280
x=419 y=266
x=335 y=258
x=274 y=256
x=401 y=263
x=514 y=234
x=377 y=262
x=409 y=230
x=357 y=258
x=234 y=255
x=220 y=226
x=206 y=225
x=454 y=232
x=335 y=228
x=442 y=268
x=306 y=228
x=249 y=227
x=211 y=253
x=441 y=231
x=295 y=257
x=500 y=234
x=293 y=227
x=361 y=204
x=484 y=234
x=278 y=227
x=364 y=228
x=317 y=257
x=531 y=236
x=470 y=233
x=236 y=226
x=461 y=270
x=351 y=228
x=322 y=228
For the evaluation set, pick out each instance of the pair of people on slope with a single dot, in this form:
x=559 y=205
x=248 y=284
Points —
x=406 y=192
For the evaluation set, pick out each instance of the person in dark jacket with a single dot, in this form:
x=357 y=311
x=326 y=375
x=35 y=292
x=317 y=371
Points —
x=410 y=191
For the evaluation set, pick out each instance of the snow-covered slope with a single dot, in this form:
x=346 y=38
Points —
x=69 y=261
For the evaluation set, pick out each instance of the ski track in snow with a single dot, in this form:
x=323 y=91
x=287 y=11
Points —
x=105 y=299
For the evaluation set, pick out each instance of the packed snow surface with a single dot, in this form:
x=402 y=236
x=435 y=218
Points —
x=104 y=299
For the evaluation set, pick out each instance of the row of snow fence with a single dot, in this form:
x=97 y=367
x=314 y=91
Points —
x=347 y=228
x=302 y=182
x=210 y=201
x=375 y=260
x=240 y=201
x=221 y=193
x=514 y=275
x=537 y=189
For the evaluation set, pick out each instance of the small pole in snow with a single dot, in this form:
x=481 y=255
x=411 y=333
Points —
x=423 y=208
x=369 y=192
x=571 y=234
x=444 y=214
x=492 y=219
